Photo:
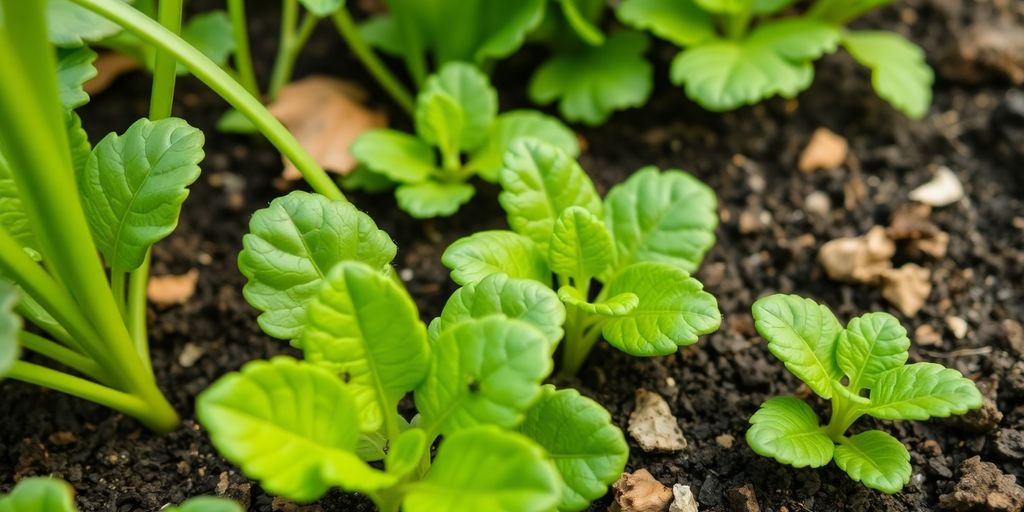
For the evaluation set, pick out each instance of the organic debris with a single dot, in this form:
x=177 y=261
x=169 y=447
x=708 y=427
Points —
x=987 y=51
x=907 y=287
x=983 y=487
x=683 y=499
x=826 y=150
x=912 y=225
x=862 y=259
x=640 y=492
x=171 y=290
x=944 y=189
x=653 y=425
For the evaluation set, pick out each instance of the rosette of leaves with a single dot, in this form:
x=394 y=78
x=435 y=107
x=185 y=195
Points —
x=38 y=494
x=862 y=370
x=319 y=272
x=459 y=134
x=740 y=52
x=620 y=266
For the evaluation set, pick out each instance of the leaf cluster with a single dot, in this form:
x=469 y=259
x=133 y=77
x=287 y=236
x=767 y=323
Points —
x=52 y=495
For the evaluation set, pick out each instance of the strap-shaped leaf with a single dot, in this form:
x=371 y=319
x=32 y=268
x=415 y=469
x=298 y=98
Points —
x=10 y=326
x=580 y=245
x=397 y=155
x=899 y=72
x=920 y=391
x=433 y=198
x=803 y=335
x=681 y=22
x=472 y=92
x=488 y=252
x=134 y=184
x=486 y=468
x=538 y=182
x=13 y=218
x=787 y=430
x=876 y=459
x=673 y=311
x=291 y=425
x=206 y=504
x=870 y=345
x=292 y=244
x=363 y=326
x=498 y=294
x=39 y=495
x=662 y=216
x=589 y=451
x=74 y=69
x=511 y=126
x=618 y=305
x=483 y=371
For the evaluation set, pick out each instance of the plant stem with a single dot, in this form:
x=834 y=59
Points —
x=243 y=56
x=350 y=33
x=76 y=386
x=60 y=354
x=46 y=322
x=217 y=79
x=282 y=67
x=117 y=282
x=578 y=347
x=136 y=314
x=736 y=25
x=161 y=99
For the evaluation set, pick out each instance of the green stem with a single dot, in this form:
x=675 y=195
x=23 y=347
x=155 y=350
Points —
x=243 y=56
x=578 y=344
x=136 y=314
x=221 y=82
x=60 y=354
x=79 y=387
x=736 y=25
x=161 y=99
x=46 y=322
x=284 y=62
x=350 y=33
x=117 y=282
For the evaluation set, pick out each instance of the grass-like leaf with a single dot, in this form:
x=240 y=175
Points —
x=487 y=252
x=875 y=459
x=786 y=429
x=920 y=391
x=803 y=335
x=870 y=345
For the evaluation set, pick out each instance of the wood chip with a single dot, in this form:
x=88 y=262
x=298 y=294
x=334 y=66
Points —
x=171 y=289
x=826 y=150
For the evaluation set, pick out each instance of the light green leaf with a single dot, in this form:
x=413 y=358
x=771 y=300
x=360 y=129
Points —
x=440 y=121
x=322 y=8
x=72 y=25
x=497 y=294
x=674 y=310
x=765 y=7
x=133 y=186
x=486 y=468
x=405 y=455
x=78 y=142
x=10 y=326
x=206 y=504
x=481 y=254
x=383 y=33
x=920 y=391
x=293 y=426
x=13 y=218
x=233 y=121
x=870 y=345
x=476 y=99
x=372 y=446
x=399 y=156
x=538 y=182
x=433 y=199
x=292 y=244
x=876 y=459
x=899 y=72
x=39 y=495
x=74 y=69
x=580 y=245
x=662 y=216
x=787 y=430
x=362 y=178
x=211 y=33
x=485 y=370
x=725 y=6
x=511 y=126
x=589 y=451
x=363 y=326
x=576 y=16
x=680 y=22
x=803 y=335
x=619 y=305
x=839 y=13
x=592 y=82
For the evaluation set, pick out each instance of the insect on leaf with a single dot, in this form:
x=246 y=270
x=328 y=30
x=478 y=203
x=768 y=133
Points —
x=488 y=252
x=803 y=335
x=875 y=459
x=786 y=429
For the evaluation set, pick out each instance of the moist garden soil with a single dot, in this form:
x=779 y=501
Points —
x=767 y=242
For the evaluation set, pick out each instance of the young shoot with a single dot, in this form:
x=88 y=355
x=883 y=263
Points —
x=38 y=494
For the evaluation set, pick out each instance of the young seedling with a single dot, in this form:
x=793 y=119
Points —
x=639 y=246
x=740 y=52
x=53 y=495
x=862 y=369
x=456 y=114
x=319 y=272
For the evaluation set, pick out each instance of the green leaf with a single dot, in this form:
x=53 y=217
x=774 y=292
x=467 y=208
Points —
x=483 y=371
x=292 y=244
x=839 y=13
x=210 y=33
x=382 y=32
x=662 y=216
x=592 y=82
x=362 y=178
x=787 y=430
x=876 y=459
x=488 y=252
x=10 y=326
x=774 y=60
x=486 y=468
x=580 y=245
x=72 y=25
x=74 y=69
x=619 y=305
x=405 y=454
x=765 y=7
x=920 y=391
x=322 y=8
x=580 y=23
x=589 y=451
x=473 y=94
x=538 y=182
x=133 y=186
x=433 y=199
x=724 y=6
x=399 y=156
x=674 y=310
x=363 y=326
x=680 y=22
x=39 y=495
x=206 y=504
x=498 y=294
x=233 y=121
x=511 y=126
x=78 y=141
x=440 y=121
x=291 y=425
x=13 y=217
x=803 y=335
x=870 y=345
x=899 y=72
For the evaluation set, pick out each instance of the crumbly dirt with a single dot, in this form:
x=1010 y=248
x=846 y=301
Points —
x=749 y=157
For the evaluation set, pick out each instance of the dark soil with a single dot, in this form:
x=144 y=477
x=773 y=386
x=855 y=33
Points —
x=747 y=156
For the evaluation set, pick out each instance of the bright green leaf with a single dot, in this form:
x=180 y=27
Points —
x=486 y=468
x=786 y=429
x=433 y=199
x=211 y=33
x=206 y=504
x=870 y=345
x=13 y=217
x=39 y=495
x=619 y=305
x=362 y=178
x=476 y=99
x=292 y=244
x=74 y=69
x=134 y=184
x=405 y=455
x=725 y=6
x=673 y=311
x=839 y=13
x=920 y=391
x=322 y=8
x=10 y=326
x=399 y=156
x=875 y=459
x=382 y=32
x=764 y=7
x=580 y=245
x=441 y=122
x=583 y=25
x=363 y=326
x=488 y=252
x=899 y=72
x=233 y=121
x=511 y=126
x=78 y=142
x=803 y=335
x=680 y=22
x=72 y=25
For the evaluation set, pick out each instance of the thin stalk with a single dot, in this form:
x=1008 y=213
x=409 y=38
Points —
x=117 y=287
x=60 y=354
x=221 y=82
x=282 y=67
x=161 y=99
x=823 y=9
x=576 y=351
x=46 y=322
x=736 y=25
x=350 y=33
x=243 y=56
x=79 y=387
x=136 y=314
